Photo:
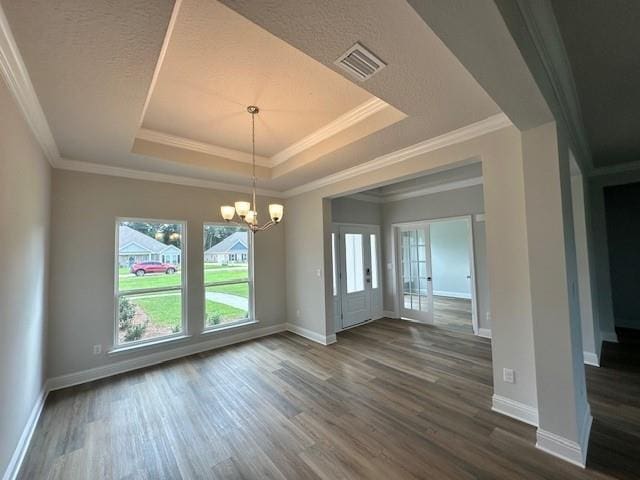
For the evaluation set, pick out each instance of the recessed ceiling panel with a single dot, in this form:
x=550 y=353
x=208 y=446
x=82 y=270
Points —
x=217 y=62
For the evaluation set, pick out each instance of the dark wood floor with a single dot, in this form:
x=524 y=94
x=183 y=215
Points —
x=390 y=400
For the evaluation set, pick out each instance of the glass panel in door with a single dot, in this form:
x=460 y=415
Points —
x=415 y=276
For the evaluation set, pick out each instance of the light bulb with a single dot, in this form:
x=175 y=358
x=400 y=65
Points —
x=275 y=211
x=227 y=212
x=243 y=208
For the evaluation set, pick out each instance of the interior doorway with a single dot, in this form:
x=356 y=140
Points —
x=357 y=280
x=436 y=277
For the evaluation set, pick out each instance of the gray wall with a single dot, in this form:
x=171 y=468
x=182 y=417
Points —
x=453 y=203
x=450 y=258
x=25 y=180
x=622 y=210
x=84 y=209
x=351 y=210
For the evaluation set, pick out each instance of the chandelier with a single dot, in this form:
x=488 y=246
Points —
x=247 y=211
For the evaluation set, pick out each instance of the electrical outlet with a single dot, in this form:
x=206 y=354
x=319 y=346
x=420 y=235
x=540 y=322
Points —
x=298 y=313
x=508 y=375
x=488 y=316
x=97 y=349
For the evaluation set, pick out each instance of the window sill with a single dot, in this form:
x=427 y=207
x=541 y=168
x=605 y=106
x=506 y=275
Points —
x=224 y=328
x=121 y=349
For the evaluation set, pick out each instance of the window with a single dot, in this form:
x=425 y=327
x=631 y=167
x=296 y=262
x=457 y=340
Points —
x=228 y=275
x=354 y=261
x=374 y=260
x=149 y=280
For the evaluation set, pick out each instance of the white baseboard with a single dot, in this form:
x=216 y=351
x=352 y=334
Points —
x=25 y=439
x=123 y=366
x=591 y=358
x=609 y=336
x=484 y=332
x=311 y=335
x=511 y=408
x=443 y=293
x=568 y=450
x=390 y=314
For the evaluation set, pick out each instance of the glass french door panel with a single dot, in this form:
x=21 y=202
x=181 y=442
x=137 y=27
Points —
x=373 y=244
x=334 y=264
x=354 y=262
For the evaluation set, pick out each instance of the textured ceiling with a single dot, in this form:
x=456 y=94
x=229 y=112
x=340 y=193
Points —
x=218 y=62
x=92 y=63
x=602 y=39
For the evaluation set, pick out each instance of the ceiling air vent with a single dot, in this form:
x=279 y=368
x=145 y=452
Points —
x=360 y=62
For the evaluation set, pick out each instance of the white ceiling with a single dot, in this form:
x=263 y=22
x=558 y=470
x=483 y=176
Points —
x=217 y=62
x=92 y=65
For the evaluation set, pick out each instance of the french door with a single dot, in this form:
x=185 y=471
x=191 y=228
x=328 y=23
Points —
x=414 y=282
x=359 y=278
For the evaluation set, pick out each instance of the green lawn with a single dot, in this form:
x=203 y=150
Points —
x=128 y=281
x=239 y=289
x=165 y=310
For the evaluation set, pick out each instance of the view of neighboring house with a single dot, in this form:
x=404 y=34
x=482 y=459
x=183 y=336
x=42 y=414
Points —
x=233 y=249
x=137 y=247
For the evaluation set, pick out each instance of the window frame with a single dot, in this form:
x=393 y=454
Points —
x=251 y=318
x=117 y=346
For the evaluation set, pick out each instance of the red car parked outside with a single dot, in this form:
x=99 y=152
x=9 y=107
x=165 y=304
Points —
x=152 y=267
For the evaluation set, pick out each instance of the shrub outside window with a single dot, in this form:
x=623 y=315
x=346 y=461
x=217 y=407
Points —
x=228 y=275
x=149 y=280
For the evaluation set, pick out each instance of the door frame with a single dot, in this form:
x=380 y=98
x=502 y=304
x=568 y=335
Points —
x=397 y=286
x=337 y=314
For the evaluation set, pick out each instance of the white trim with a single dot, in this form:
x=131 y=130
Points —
x=201 y=147
x=483 y=127
x=310 y=334
x=163 y=52
x=568 y=450
x=442 y=293
x=390 y=314
x=613 y=169
x=470 y=182
x=123 y=366
x=511 y=408
x=479 y=217
x=484 y=332
x=544 y=32
x=344 y=121
x=591 y=358
x=366 y=197
x=102 y=169
x=609 y=336
x=27 y=434
x=15 y=74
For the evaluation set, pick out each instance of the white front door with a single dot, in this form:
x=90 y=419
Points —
x=415 y=285
x=360 y=286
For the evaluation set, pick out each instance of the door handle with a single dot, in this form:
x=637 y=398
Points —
x=428 y=279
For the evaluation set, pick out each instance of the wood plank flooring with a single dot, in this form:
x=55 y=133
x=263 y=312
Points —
x=453 y=313
x=391 y=400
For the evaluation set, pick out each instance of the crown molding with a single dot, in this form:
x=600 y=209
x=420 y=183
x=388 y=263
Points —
x=444 y=187
x=16 y=76
x=541 y=24
x=615 y=169
x=367 y=197
x=201 y=147
x=483 y=127
x=102 y=169
x=418 y=191
x=347 y=120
